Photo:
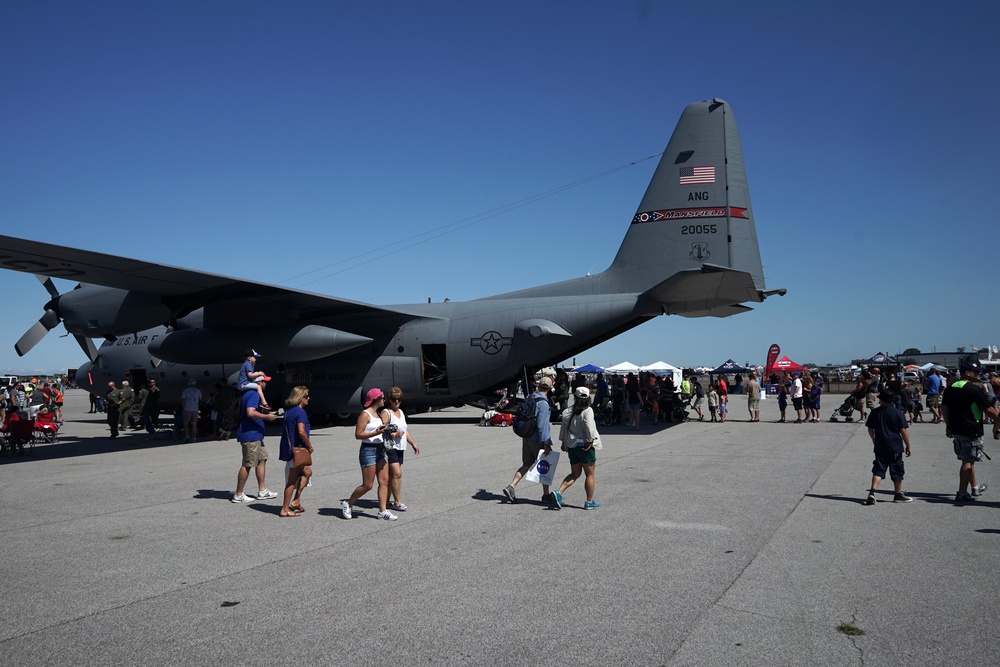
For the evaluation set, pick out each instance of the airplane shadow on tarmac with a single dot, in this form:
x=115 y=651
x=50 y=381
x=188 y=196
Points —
x=68 y=447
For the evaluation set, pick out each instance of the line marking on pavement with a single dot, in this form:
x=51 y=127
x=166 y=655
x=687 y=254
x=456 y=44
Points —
x=673 y=525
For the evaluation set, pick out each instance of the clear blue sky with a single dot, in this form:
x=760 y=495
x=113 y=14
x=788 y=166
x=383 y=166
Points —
x=265 y=140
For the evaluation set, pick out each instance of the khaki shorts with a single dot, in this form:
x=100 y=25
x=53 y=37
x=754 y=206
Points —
x=253 y=453
x=871 y=401
x=753 y=404
x=933 y=400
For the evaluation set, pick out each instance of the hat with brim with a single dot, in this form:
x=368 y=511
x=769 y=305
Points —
x=372 y=396
x=971 y=365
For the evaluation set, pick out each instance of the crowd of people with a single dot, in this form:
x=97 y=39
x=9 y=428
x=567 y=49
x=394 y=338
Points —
x=122 y=404
x=29 y=400
x=961 y=402
x=888 y=405
x=38 y=409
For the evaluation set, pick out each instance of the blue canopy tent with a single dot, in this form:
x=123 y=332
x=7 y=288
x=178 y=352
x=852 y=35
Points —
x=589 y=368
x=729 y=368
x=881 y=360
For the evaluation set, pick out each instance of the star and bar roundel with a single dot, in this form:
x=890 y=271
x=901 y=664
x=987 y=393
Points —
x=491 y=342
x=691 y=213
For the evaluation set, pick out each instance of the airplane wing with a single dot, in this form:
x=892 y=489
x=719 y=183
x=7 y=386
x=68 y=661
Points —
x=183 y=290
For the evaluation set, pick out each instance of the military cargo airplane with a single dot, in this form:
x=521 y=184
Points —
x=690 y=249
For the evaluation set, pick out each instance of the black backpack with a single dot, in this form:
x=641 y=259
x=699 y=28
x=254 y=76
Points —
x=230 y=417
x=525 y=422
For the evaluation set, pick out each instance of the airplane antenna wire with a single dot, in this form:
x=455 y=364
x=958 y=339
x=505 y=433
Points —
x=451 y=227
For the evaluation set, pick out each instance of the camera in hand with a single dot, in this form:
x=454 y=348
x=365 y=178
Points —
x=390 y=429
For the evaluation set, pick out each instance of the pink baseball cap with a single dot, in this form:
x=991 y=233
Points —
x=372 y=396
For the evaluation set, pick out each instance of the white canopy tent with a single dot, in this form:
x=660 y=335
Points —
x=624 y=368
x=663 y=368
x=937 y=367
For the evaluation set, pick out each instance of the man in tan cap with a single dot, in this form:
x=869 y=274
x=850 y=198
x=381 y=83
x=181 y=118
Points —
x=535 y=442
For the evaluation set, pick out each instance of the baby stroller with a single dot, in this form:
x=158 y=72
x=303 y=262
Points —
x=846 y=410
x=678 y=413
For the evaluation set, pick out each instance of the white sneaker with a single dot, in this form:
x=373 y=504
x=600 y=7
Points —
x=345 y=509
x=401 y=507
x=242 y=498
x=266 y=495
x=387 y=515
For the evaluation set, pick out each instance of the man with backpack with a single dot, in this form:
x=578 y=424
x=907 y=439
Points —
x=534 y=437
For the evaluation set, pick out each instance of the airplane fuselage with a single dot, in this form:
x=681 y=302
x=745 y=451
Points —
x=454 y=354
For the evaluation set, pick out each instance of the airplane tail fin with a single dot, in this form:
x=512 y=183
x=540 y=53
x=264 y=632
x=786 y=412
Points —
x=695 y=219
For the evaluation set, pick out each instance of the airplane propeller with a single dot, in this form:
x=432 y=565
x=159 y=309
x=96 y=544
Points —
x=49 y=321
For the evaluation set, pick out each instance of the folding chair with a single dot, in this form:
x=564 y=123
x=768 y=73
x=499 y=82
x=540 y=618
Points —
x=22 y=432
x=46 y=427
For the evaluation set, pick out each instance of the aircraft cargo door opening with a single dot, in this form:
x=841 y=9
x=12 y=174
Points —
x=434 y=366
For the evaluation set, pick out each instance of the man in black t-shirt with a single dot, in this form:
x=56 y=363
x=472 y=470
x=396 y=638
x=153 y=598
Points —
x=962 y=407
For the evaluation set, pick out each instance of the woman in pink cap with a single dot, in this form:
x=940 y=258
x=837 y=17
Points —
x=372 y=456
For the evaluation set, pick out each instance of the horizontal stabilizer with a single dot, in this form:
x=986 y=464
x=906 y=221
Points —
x=699 y=290
x=724 y=311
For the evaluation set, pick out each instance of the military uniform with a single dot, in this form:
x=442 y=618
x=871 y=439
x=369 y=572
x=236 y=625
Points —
x=112 y=399
x=126 y=397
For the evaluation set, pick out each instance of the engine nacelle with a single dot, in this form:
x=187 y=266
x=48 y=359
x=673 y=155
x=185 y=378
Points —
x=283 y=343
x=105 y=312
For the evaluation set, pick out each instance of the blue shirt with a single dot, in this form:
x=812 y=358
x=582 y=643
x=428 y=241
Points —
x=293 y=418
x=249 y=429
x=543 y=432
x=245 y=369
x=602 y=391
x=933 y=384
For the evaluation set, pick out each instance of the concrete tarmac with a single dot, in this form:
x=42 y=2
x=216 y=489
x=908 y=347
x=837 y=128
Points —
x=715 y=544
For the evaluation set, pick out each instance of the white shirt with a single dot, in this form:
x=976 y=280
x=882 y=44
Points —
x=797 y=389
x=398 y=441
x=191 y=397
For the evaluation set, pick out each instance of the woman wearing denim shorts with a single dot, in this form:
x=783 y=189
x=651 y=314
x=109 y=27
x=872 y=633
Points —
x=372 y=456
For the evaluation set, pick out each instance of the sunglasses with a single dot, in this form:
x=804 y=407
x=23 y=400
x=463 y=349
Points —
x=395 y=399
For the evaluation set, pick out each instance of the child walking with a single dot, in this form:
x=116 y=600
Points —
x=887 y=428
x=713 y=401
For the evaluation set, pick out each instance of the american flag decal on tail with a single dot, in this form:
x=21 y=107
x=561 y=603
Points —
x=692 y=175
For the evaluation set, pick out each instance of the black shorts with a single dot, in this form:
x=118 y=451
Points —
x=395 y=455
x=797 y=403
x=891 y=461
x=529 y=452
